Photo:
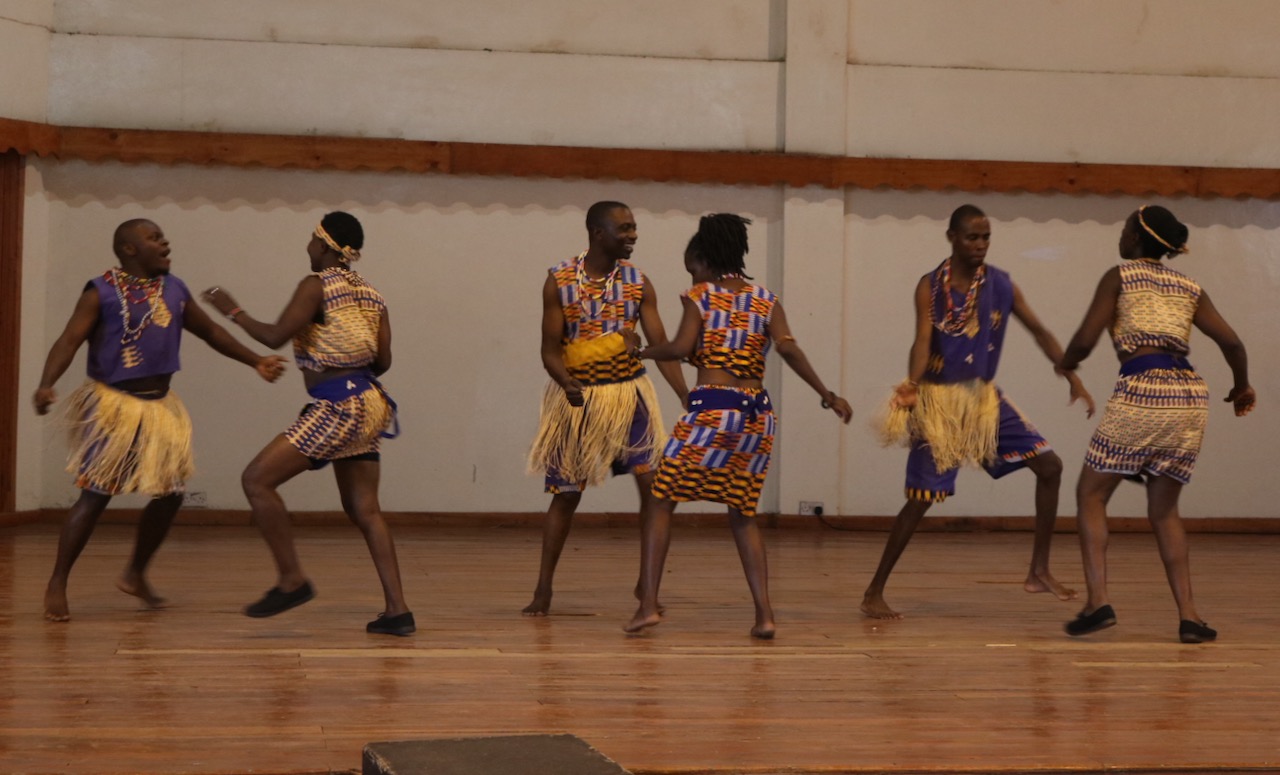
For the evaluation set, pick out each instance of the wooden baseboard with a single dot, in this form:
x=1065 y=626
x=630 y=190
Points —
x=12 y=518
x=240 y=517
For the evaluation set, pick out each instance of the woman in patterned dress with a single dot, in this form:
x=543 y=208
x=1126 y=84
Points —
x=1154 y=422
x=719 y=451
x=342 y=342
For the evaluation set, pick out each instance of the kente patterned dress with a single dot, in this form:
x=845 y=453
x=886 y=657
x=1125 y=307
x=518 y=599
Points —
x=720 y=450
x=349 y=415
x=619 y=427
x=960 y=416
x=122 y=440
x=1155 y=419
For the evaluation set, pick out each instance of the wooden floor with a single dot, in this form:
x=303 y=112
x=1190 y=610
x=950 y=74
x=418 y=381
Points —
x=978 y=678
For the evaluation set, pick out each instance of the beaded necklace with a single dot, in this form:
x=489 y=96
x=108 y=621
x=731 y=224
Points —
x=138 y=291
x=964 y=319
x=605 y=285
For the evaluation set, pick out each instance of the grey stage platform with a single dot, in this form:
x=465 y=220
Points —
x=498 y=755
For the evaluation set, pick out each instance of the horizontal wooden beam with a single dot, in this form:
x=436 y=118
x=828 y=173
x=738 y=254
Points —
x=550 y=161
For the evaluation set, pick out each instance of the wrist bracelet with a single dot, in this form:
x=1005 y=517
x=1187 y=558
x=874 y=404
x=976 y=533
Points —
x=232 y=314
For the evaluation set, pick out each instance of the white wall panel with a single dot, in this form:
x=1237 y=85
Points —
x=471 y=96
x=1223 y=38
x=1063 y=117
x=707 y=29
x=37 y=13
x=24 y=61
x=35 y=434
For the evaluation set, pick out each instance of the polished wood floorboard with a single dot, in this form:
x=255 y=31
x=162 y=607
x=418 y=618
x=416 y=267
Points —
x=977 y=678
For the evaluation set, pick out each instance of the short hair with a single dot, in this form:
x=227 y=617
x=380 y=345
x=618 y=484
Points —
x=596 y=213
x=124 y=232
x=344 y=228
x=962 y=214
x=721 y=243
x=1170 y=234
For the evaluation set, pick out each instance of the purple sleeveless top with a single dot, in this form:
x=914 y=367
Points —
x=972 y=354
x=122 y=349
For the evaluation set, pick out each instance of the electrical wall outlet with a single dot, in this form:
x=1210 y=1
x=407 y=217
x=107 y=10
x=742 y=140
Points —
x=195 y=499
x=810 y=508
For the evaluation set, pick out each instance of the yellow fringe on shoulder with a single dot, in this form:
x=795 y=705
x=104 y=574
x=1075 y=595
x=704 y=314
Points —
x=585 y=351
x=121 y=443
x=960 y=422
x=582 y=442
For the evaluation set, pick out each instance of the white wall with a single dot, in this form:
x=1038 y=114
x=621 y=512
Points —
x=25 y=32
x=35 y=435
x=461 y=259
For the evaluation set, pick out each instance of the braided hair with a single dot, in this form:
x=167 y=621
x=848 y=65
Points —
x=721 y=244
x=1160 y=233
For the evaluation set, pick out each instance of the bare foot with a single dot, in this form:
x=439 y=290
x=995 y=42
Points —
x=875 y=607
x=642 y=620
x=137 y=586
x=1047 y=583
x=55 y=604
x=540 y=606
x=764 y=630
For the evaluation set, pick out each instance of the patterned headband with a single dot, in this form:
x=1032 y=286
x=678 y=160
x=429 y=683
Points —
x=348 y=254
x=1158 y=238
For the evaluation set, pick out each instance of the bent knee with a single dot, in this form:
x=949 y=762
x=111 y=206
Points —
x=1048 y=466
x=254 y=482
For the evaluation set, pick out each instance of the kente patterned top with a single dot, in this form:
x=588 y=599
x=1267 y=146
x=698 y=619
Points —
x=596 y=307
x=968 y=329
x=347 y=335
x=139 y=329
x=1155 y=309
x=735 y=328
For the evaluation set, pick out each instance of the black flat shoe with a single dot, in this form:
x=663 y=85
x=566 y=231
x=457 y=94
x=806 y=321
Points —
x=1101 y=619
x=400 y=624
x=277 y=602
x=1195 y=632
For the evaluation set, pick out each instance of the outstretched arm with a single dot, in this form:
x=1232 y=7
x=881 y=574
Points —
x=1213 y=325
x=1049 y=346
x=552 y=353
x=686 y=337
x=656 y=335
x=81 y=324
x=1102 y=310
x=198 y=322
x=307 y=301
x=799 y=363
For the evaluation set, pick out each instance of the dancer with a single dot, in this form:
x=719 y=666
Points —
x=1154 y=422
x=599 y=411
x=128 y=432
x=342 y=342
x=719 y=451
x=949 y=409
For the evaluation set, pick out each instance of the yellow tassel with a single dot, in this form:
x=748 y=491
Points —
x=582 y=443
x=121 y=444
x=960 y=422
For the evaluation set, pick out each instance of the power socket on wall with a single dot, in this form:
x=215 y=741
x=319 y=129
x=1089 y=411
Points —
x=196 y=499
x=810 y=508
